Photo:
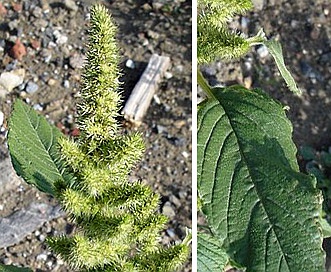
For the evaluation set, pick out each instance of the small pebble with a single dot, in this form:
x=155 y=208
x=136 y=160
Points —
x=167 y=210
x=294 y=23
x=13 y=24
x=244 y=22
x=171 y=233
x=37 y=12
x=182 y=194
x=46 y=54
x=59 y=38
x=130 y=64
x=152 y=34
x=167 y=108
x=179 y=123
x=35 y=44
x=42 y=257
x=262 y=51
x=77 y=61
x=51 y=82
x=258 y=4
x=3 y=10
x=18 y=51
x=7 y=261
x=17 y=7
x=248 y=65
x=2 y=118
x=49 y=264
x=157 y=99
x=179 y=68
x=173 y=199
x=168 y=75
x=37 y=107
x=185 y=154
x=10 y=80
x=209 y=71
x=66 y=84
x=161 y=129
x=248 y=81
x=70 y=5
x=31 y=87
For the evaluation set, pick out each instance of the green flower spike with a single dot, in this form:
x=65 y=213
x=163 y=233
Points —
x=215 y=40
x=118 y=226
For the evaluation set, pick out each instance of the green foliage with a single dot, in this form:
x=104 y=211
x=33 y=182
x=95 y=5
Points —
x=318 y=163
x=275 y=50
x=220 y=43
x=262 y=213
x=11 y=268
x=217 y=13
x=214 y=38
x=211 y=256
x=32 y=143
x=247 y=171
x=118 y=223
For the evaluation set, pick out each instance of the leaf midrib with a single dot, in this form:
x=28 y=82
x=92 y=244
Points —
x=250 y=175
x=48 y=156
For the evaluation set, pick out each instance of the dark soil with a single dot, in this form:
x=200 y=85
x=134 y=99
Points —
x=52 y=62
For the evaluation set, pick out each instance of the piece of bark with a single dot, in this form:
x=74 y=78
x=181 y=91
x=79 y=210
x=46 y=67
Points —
x=142 y=94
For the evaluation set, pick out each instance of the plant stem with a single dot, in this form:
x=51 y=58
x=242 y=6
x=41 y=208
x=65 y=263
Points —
x=204 y=85
x=258 y=39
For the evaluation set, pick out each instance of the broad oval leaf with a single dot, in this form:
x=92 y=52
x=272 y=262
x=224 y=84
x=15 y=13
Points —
x=32 y=144
x=211 y=256
x=256 y=202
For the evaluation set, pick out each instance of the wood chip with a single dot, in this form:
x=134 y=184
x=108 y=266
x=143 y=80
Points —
x=142 y=94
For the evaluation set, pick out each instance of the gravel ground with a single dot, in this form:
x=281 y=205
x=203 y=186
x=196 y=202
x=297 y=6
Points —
x=304 y=29
x=42 y=48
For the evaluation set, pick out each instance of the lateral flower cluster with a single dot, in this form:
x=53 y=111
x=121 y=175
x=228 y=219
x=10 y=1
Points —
x=214 y=39
x=118 y=226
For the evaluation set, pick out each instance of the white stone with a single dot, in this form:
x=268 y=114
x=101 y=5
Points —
x=37 y=107
x=130 y=64
x=66 y=84
x=185 y=154
x=10 y=80
x=262 y=51
x=168 y=75
x=157 y=99
x=60 y=38
x=42 y=257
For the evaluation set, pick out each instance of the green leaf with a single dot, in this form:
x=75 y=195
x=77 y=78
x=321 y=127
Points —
x=32 y=144
x=211 y=256
x=11 y=268
x=307 y=153
x=276 y=51
x=256 y=202
x=326 y=159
